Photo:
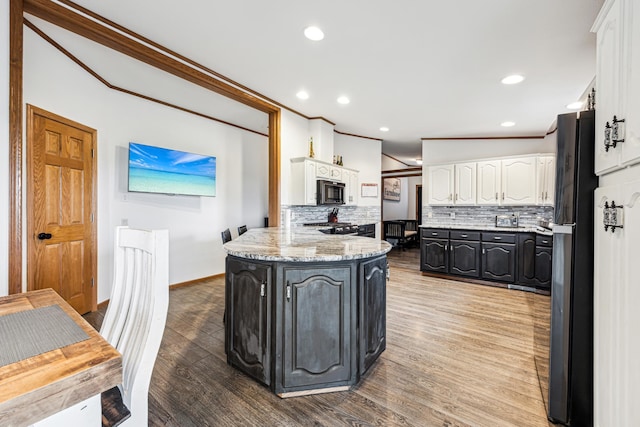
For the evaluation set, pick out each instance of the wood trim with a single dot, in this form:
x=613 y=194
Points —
x=316 y=118
x=196 y=281
x=465 y=138
x=105 y=82
x=357 y=136
x=401 y=175
x=85 y=27
x=393 y=158
x=15 y=146
x=411 y=169
x=274 y=168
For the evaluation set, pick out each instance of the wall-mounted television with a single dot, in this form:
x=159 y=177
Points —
x=162 y=170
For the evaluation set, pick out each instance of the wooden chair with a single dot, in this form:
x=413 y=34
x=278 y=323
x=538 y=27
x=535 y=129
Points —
x=395 y=232
x=135 y=320
x=242 y=229
x=226 y=236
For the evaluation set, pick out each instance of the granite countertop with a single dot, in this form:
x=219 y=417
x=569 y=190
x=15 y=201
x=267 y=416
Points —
x=303 y=244
x=459 y=226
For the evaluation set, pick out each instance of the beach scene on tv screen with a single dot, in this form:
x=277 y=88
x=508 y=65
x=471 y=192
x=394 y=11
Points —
x=161 y=170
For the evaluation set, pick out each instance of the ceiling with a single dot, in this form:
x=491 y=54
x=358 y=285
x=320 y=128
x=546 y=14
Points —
x=422 y=68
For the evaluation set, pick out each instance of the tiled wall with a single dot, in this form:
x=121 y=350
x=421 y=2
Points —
x=294 y=216
x=484 y=215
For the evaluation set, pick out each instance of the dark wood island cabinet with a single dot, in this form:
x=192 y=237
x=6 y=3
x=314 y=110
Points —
x=307 y=322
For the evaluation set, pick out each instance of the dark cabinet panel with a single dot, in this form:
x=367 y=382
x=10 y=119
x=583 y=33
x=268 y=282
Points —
x=372 y=316
x=433 y=255
x=367 y=230
x=464 y=258
x=499 y=261
x=317 y=326
x=543 y=267
x=526 y=259
x=248 y=298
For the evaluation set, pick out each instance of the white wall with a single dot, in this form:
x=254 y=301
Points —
x=450 y=151
x=363 y=155
x=194 y=223
x=406 y=207
x=389 y=164
x=4 y=143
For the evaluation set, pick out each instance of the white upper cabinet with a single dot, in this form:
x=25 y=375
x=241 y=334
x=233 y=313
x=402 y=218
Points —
x=546 y=180
x=519 y=181
x=441 y=185
x=489 y=182
x=618 y=92
x=465 y=184
x=305 y=173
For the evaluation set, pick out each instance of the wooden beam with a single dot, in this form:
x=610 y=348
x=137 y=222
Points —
x=15 y=146
x=274 y=169
x=78 y=24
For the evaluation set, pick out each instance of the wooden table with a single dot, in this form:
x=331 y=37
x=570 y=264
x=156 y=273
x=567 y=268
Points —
x=37 y=387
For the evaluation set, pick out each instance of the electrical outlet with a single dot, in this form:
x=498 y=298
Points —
x=430 y=214
x=452 y=215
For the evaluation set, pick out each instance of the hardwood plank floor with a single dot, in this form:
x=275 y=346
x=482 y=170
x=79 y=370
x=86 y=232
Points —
x=458 y=354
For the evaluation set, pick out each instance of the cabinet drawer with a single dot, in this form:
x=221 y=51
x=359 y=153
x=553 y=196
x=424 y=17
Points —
x=465 y=235
x=499 y=237
x=435 y=233
x=544 y=240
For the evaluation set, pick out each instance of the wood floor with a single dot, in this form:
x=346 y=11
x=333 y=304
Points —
x=457 y=354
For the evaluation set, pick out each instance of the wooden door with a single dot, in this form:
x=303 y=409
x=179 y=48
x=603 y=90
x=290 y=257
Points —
x=61 y=232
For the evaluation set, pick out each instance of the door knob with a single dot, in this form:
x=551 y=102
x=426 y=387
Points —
x=44 y=236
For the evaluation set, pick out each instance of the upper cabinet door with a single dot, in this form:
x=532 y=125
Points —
x=631 y=94
x=519 y=181
x=441 y=185
x=465 y=184
x=489 y=179
x=546 y=180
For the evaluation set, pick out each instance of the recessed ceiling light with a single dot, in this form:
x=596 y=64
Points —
x=313 y=33
x=302 y=95
x=512 y=79
x=507 y=124
x=384 y=129
x=575 y=105
x=343 y=100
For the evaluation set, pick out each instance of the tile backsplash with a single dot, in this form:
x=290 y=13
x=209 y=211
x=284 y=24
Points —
x=295 y=216
x=484 y=215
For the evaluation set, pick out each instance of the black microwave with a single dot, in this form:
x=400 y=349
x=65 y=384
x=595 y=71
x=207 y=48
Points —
x=330 y=192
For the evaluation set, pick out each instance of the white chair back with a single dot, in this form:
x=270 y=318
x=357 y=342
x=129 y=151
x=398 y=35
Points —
x=137 y=312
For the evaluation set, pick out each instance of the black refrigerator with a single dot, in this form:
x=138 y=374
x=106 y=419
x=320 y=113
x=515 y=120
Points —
x=570 y=399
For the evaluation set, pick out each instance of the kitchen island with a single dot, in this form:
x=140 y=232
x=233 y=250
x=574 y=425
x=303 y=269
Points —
x=305 y=311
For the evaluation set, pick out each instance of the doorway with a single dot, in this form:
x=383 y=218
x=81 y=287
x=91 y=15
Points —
x=61 y=206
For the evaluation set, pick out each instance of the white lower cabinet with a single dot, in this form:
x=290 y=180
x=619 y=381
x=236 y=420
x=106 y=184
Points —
x=616 y=308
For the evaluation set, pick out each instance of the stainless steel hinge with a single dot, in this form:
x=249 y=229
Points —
x=262 y=290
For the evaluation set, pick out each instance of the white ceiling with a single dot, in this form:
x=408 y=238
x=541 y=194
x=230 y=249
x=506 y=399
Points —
x=423 y=68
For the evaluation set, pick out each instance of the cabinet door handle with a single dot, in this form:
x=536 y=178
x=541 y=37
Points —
x=545 y=241
x=482 y=251
x=262 y=290
x=496 y=196
x=463 y=235
x=434 y=234
x=456 y=198
x=503 y=195
x=288 y=291
x=497 y=238
x=450 y=196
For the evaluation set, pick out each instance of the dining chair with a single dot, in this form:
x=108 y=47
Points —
x=135 y=320
x=226 y=236
x=242 y=229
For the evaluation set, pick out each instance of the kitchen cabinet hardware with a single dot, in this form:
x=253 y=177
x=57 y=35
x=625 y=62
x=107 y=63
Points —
x=463 y=235
x=496 y=196
x=617 y=130
x=612 y=216
x=263 y=289
x=503 y=196
x=288 y=291
x=607 y=138
x=434 y=234
x=497 y=238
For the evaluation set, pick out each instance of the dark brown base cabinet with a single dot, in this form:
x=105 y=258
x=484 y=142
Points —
x=300 y=327
x=505 y=257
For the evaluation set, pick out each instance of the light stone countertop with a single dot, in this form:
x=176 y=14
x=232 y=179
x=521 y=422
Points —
x=302 y=244
x=460 y=226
